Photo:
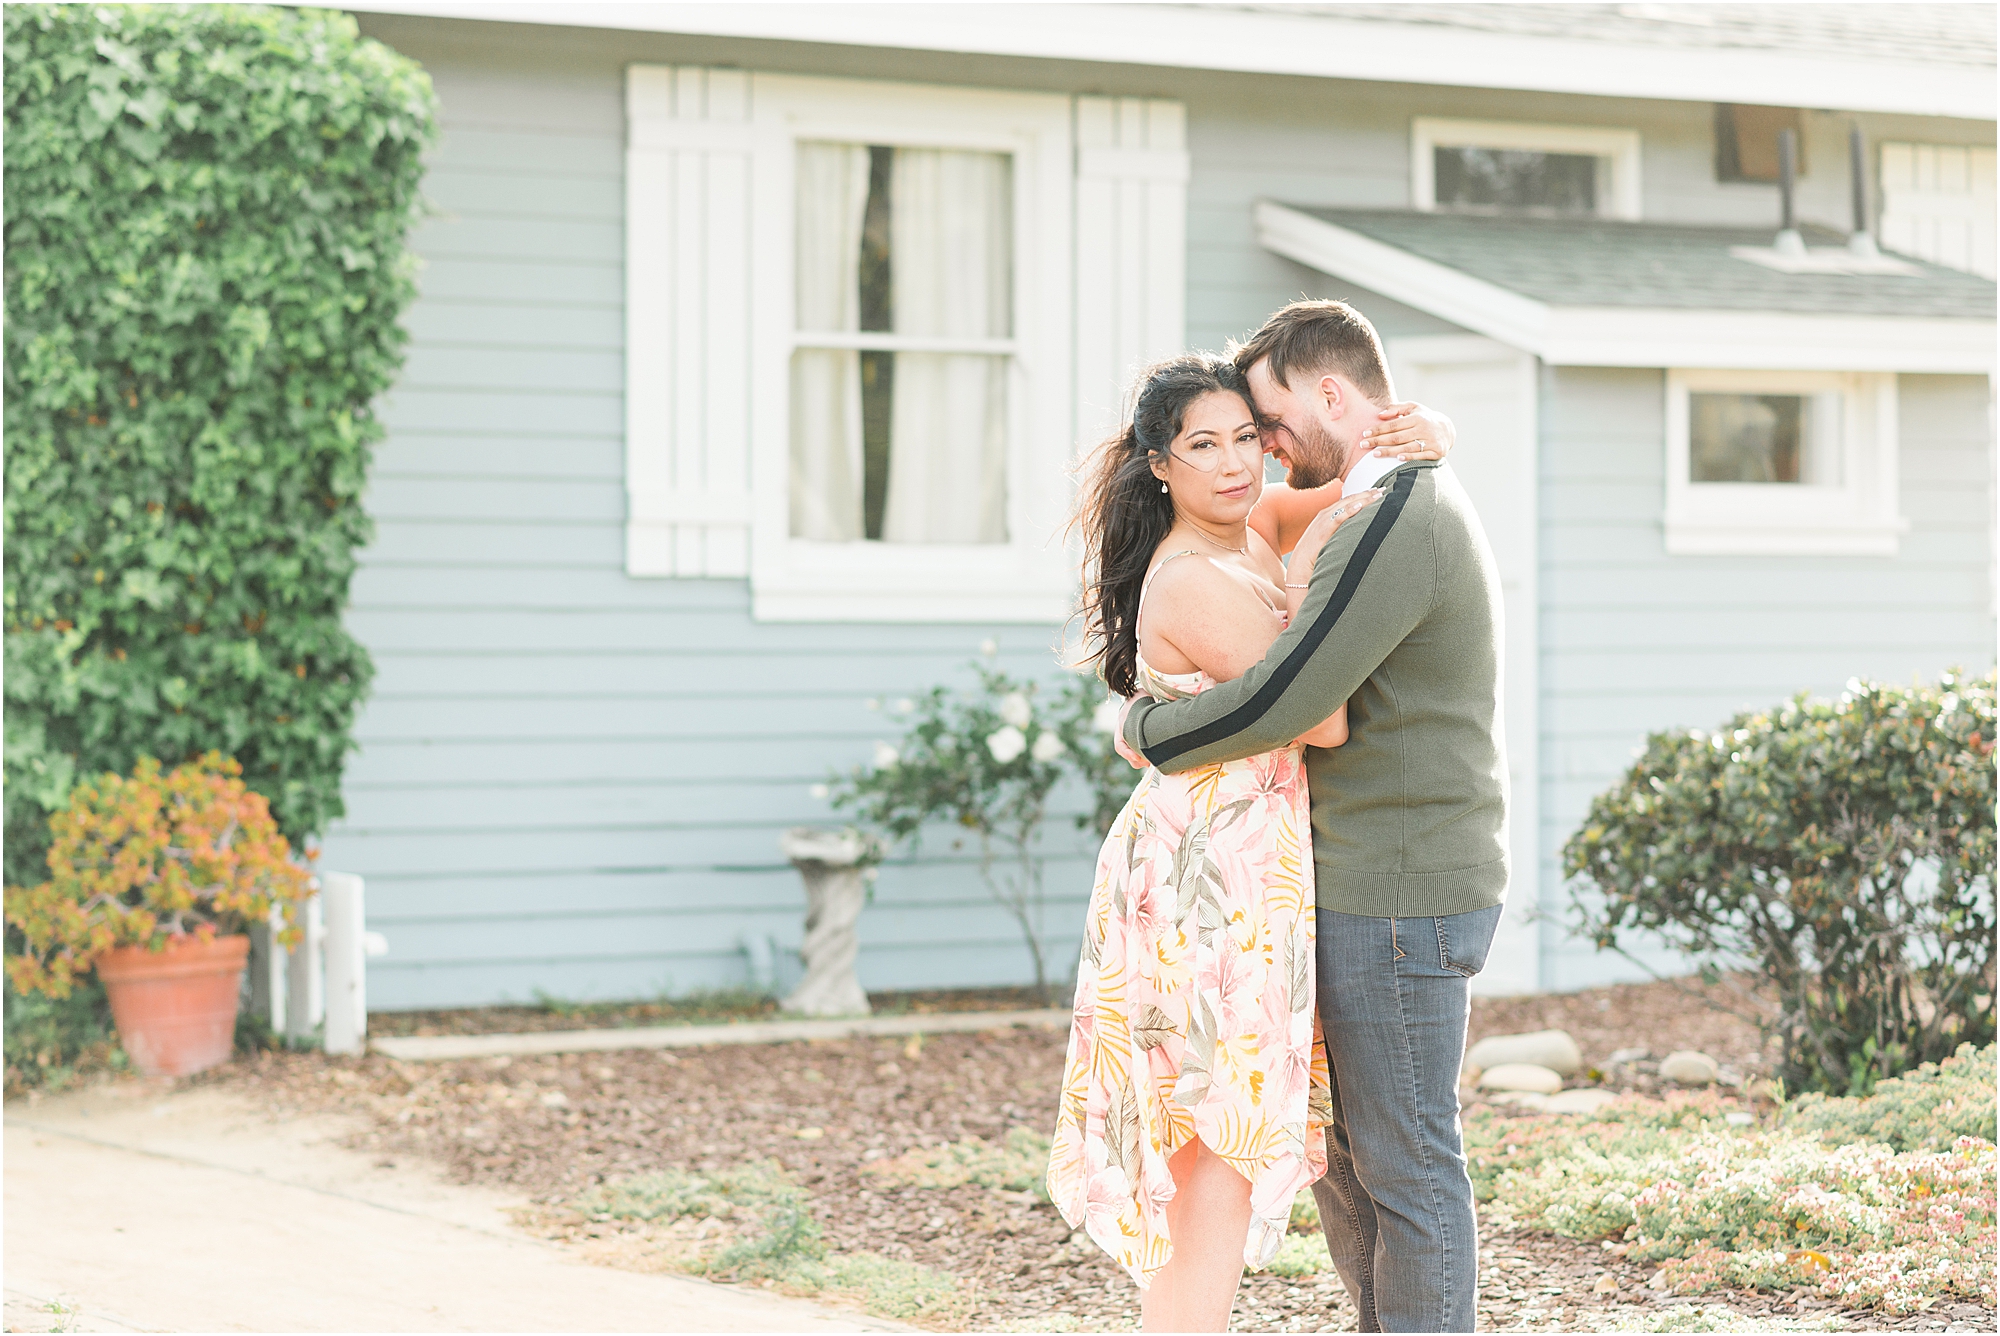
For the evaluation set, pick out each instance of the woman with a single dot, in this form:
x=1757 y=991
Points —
x=1195 y=1097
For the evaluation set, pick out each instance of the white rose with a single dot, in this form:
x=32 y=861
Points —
x=989 y=647
x=1008 y=743
x=1105 y=717
x=886 y=756
x=818 y=791
x=1047 y=747
x=1016 y=710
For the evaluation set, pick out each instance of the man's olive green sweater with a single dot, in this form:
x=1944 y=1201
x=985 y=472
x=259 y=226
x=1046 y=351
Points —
x=1402 y=620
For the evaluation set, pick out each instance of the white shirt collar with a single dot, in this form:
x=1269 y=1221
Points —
x=1367 y=471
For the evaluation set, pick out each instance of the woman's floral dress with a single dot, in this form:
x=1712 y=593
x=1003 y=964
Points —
x=1194 y=1004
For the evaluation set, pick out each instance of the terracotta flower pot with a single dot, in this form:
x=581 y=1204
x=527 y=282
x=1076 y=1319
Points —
x=176 y=1009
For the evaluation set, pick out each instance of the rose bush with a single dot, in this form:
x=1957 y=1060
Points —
x=982 y=764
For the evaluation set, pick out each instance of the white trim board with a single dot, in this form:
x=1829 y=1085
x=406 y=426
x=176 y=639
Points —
x=1267 y=42
x=1629 y=336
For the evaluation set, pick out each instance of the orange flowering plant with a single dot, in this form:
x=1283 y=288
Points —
x=139 y=860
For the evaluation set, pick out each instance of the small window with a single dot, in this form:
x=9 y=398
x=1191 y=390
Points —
x=1781 y=462
x=1764 y=438
x=1516 y=180
x=1503 y=167
x=1746 y=141
x=904 y=334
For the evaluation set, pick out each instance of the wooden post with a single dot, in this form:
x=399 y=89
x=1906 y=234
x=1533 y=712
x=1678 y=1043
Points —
x=346 y=962
x=305 y=979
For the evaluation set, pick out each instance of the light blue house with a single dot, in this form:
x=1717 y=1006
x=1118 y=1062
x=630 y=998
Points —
x=672 y=495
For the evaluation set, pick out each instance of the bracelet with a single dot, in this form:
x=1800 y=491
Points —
x=1293 y=586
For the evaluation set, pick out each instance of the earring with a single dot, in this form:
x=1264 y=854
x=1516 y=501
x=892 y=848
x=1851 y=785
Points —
x=1163 y=489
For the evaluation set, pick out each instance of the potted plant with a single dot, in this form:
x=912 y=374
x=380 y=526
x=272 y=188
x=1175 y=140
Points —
x=154 y=881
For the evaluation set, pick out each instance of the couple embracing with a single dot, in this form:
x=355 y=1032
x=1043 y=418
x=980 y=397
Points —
x=1274 y=983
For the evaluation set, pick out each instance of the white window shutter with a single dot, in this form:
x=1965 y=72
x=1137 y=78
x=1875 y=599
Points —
x=1937 y=204
x=1131 y=248
x=687 y=321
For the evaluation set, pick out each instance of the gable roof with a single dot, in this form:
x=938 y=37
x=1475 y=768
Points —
x=1926 y=60
x=1603 y=262
x=1590 y=292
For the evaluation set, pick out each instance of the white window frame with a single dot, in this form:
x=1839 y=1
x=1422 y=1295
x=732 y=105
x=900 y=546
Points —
x=1619 y=198
x=1100 y=193
x=1027 y=578
x=1857 y=516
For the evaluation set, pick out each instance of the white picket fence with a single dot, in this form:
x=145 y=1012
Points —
x=317 y=992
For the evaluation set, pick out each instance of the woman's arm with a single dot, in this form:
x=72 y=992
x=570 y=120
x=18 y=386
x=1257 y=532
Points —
x=1329 y=734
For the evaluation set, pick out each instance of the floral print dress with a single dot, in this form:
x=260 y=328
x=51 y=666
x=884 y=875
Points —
x=1195 y=1012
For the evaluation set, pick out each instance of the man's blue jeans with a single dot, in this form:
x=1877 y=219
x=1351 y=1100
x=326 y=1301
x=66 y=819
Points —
x=1396 y=1203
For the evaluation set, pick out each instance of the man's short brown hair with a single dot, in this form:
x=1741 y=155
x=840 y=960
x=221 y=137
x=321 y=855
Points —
x=1319 y=337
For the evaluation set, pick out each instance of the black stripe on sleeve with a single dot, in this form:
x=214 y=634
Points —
x=1286 y=672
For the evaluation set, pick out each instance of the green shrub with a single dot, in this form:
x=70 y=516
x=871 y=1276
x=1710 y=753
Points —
x=1926 y=1109
x=1846 y=847
x=206 y=208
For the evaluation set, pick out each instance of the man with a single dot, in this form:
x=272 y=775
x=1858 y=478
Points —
x=1402 y=621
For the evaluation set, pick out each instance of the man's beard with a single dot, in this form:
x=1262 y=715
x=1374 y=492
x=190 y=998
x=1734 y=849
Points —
x=1317 y=458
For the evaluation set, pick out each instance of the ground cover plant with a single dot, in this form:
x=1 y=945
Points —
x=1846 y=847
x=1900 y=1221
x=754 y=1222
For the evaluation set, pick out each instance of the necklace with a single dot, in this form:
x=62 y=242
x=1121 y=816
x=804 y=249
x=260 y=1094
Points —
x=1243 y=551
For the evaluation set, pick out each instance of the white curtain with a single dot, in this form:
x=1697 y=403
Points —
x=951 y=256
x=826 y=383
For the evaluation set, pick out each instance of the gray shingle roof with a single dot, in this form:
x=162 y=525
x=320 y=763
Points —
x=1595 y=262
x=1954 y=34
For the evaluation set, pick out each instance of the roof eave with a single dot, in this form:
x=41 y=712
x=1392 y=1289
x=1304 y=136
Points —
x=1631 y=336
x=1319 y=46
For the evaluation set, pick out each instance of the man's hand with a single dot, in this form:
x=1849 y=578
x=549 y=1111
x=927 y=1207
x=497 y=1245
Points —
x=1136 y=761
x=1411 y=431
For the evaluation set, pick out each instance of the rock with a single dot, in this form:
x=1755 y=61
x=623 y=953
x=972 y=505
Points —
x=1605 y=1284
x=1523 y=1099
x=1580 y=1101
x=1689 y=1067
x=1521 y=1076
x=1553 y=1049
x=1740 y=1119
x=1625 y=1055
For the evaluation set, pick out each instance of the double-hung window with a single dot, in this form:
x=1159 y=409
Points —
x=870 y=323
x=904 y=289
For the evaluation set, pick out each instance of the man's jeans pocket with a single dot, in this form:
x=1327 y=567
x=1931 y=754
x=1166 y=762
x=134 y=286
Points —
x=1464 y=939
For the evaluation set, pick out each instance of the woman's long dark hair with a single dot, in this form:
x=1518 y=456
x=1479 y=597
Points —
x=1125 y=516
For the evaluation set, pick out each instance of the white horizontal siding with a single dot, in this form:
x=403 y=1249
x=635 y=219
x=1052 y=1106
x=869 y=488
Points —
x=1635 y=641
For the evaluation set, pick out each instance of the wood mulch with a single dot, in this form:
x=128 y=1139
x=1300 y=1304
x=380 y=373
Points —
x=551 y=1126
